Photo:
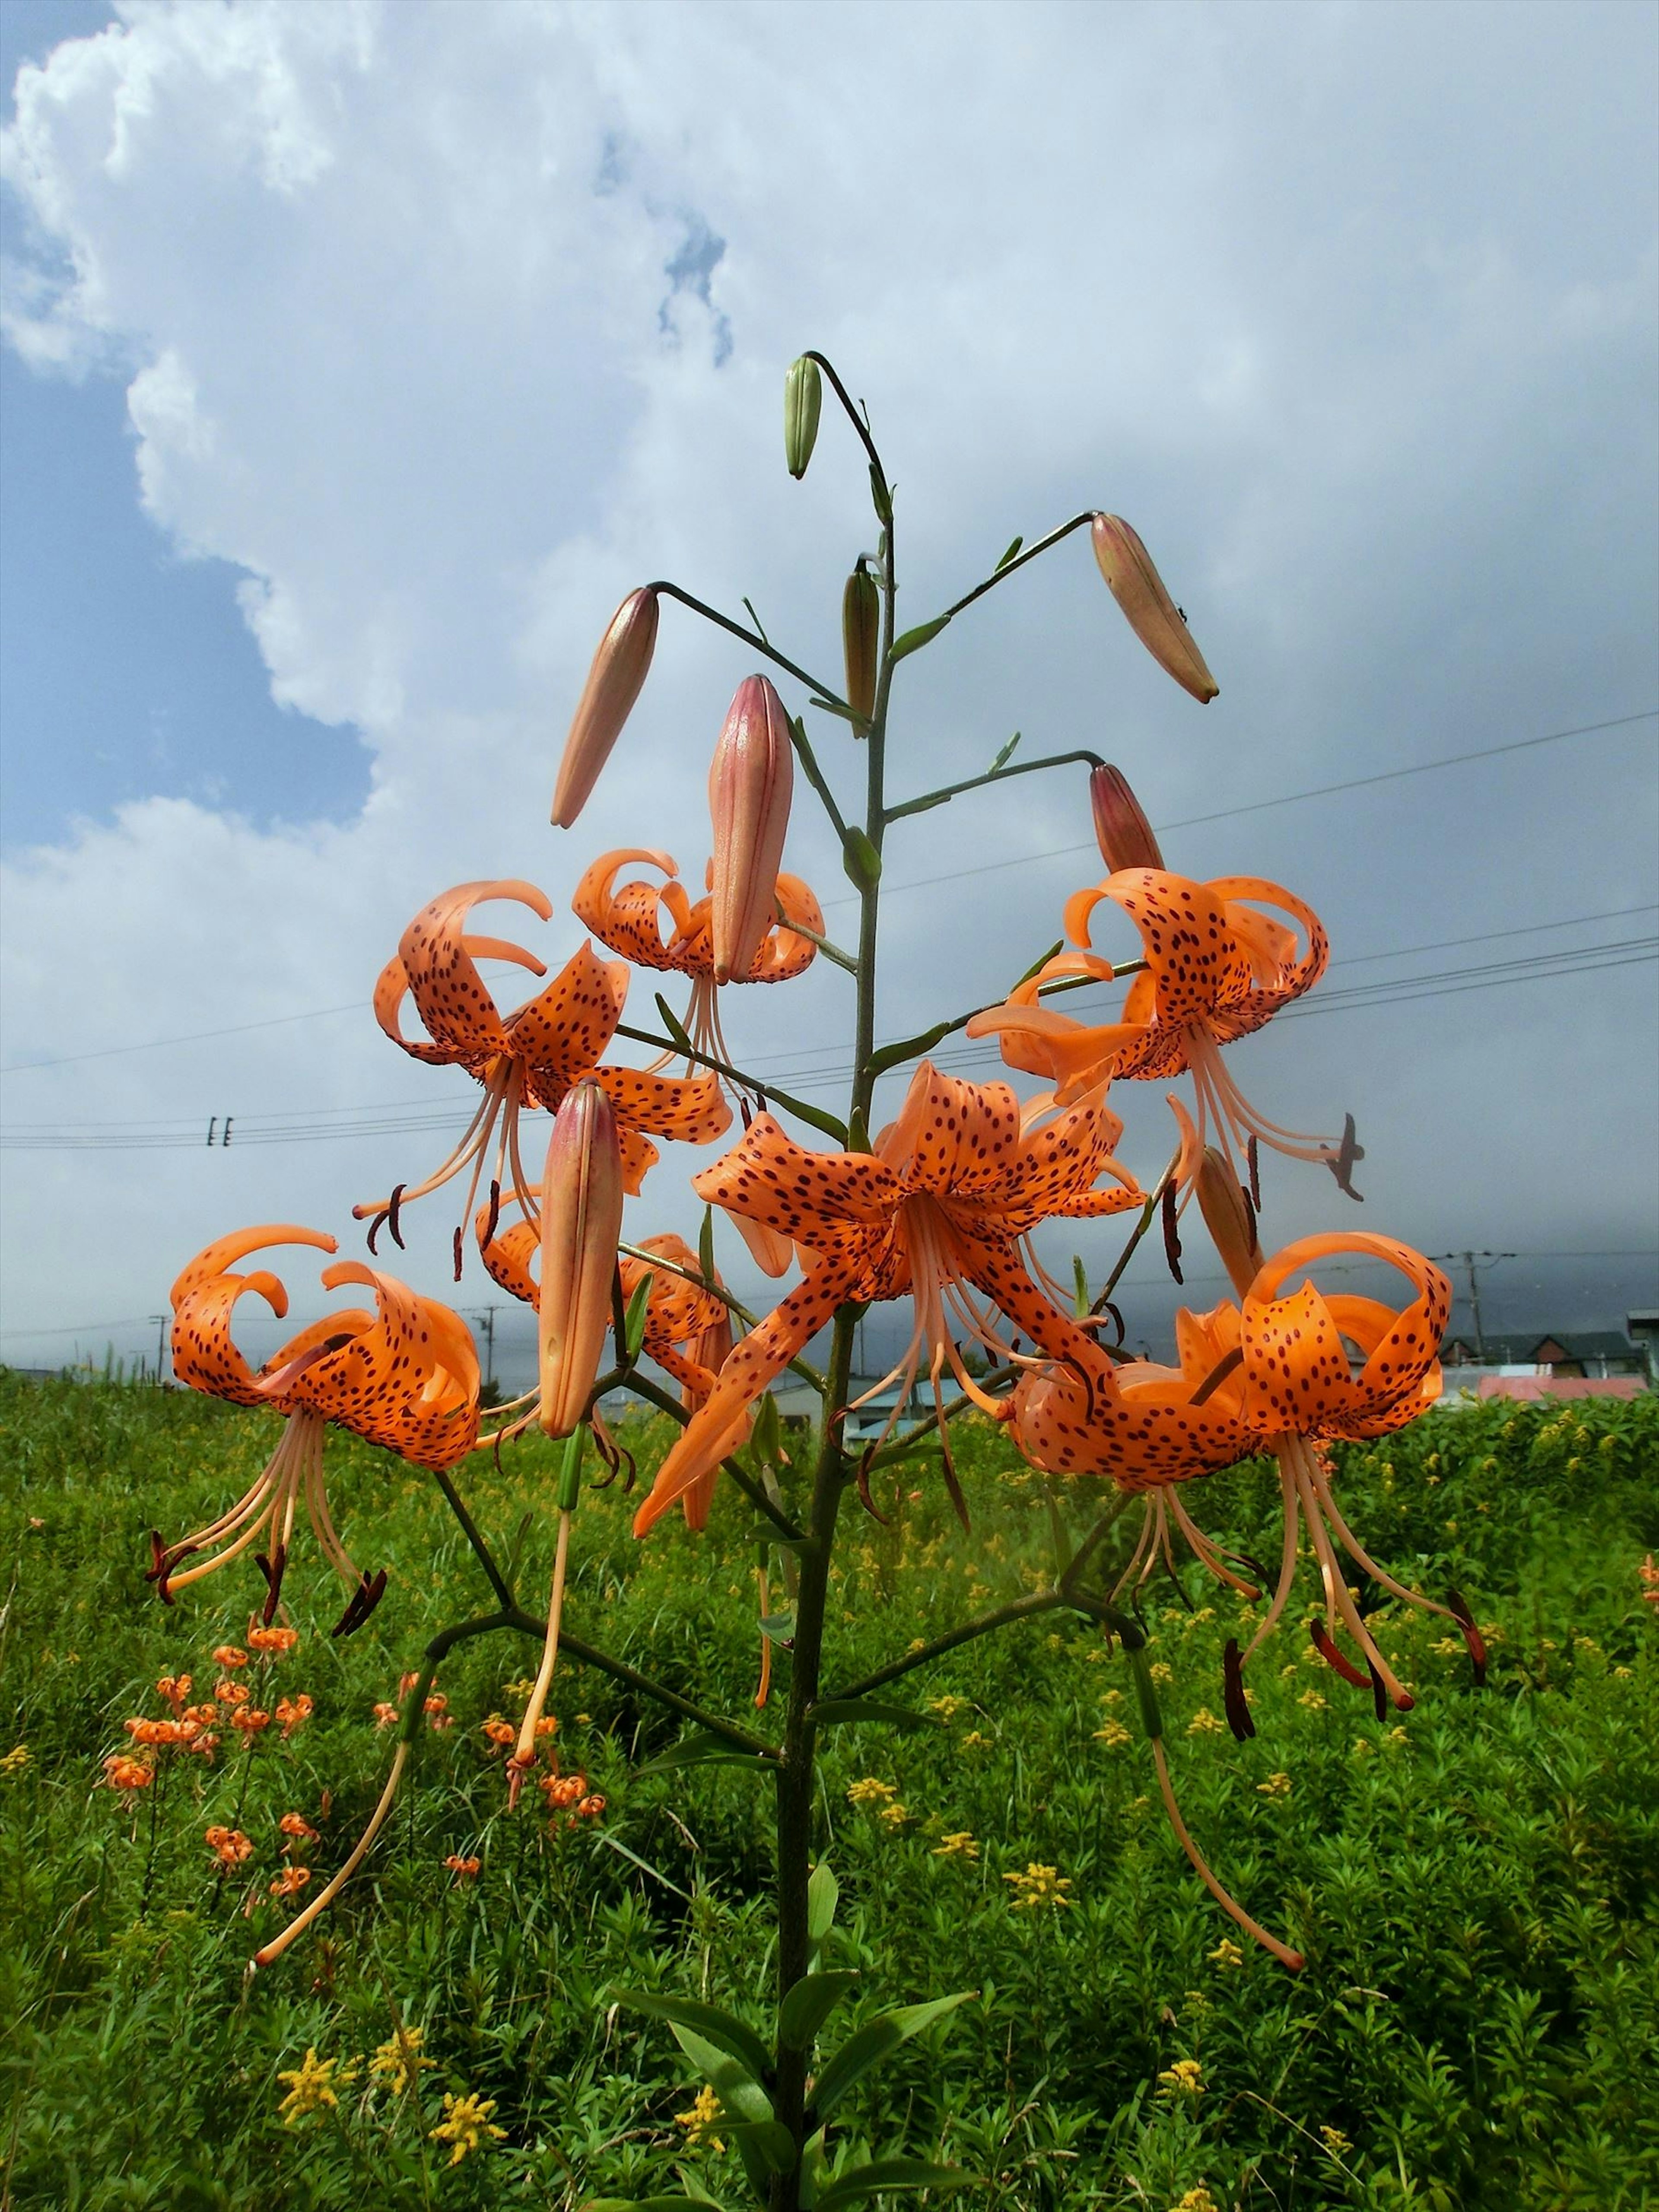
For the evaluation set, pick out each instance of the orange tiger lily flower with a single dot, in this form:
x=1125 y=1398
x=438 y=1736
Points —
x=1274 y=1374
x=405 y=1376
x=688 y=1332
x=940 y=1207
x=532 y=1057
x=1216 y=968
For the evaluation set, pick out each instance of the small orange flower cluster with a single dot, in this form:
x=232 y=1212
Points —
x=463 y=1869
x=229 y=1847
x=568 y=1794
x=272 y=1642
x=1650 y=1574
x=125 y=1776
x=292 y=1712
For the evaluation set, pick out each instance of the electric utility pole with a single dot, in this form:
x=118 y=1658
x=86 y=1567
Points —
x=1468 y=1260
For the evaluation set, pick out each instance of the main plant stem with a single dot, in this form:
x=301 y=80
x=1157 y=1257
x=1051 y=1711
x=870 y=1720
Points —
x=796 y=1774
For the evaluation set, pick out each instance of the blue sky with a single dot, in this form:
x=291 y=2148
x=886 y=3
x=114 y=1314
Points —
x=402 y=340
x=124 y=662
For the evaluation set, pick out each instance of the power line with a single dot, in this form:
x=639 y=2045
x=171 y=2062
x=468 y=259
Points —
x=1060 y=852
x=1285 y=798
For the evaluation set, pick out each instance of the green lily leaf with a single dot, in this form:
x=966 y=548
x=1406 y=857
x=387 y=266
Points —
x=892 y=2174
x=830 y=1710
x=771 y=2139
x=1005 y=755
x=876 y=2040
x=1008 y=556
x=889 y=1055
x=671 y=1021
x=822 y=1891
x=701 y=1749
x=740 y=2094
x=809 y=2004
x=722 y=2032
x=779 y=1626
x=651 y=2204
x=914 y=640
x=633 y=1321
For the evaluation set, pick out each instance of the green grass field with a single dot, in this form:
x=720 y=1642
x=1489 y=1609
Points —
x=1476 y=1887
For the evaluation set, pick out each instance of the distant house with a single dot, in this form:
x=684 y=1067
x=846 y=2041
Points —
x=1644 y=1330
x=1582 y=1354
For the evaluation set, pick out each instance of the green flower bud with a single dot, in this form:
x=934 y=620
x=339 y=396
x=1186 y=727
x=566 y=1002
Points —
x=803 y=396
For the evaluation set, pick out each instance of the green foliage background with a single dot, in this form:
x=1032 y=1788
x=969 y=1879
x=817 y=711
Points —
x=1476 y=1892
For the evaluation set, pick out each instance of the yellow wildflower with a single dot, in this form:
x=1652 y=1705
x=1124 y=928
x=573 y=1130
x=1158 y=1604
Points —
x=1226 y=1956
x=1314 y=1700
x=312 y=2086
x=1112 y=1734
x=1184 y=2079
x=1111 y=1697
x=1204 y=1723
x=1335 y=2142
x=398 y=2061
x=960 y=1845
x=701 y=2121
x=1276 y=1785
x=466 y=2124
x=15 y=1760
x=869 y=1791
x=947 y=1707
x=895 y=1815
x=973 y=1741
x=1161 y=1671
x=1195 y=2200
x=1038 y=1886
x=1448 y=1647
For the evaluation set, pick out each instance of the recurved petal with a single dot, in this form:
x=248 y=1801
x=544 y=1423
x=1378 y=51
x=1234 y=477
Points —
x=808 y=1197
x=560 y=1033
x=450 y=997
x=1140 y=1435
x=1402 y=1359
x=949 y=1134
x=762 y=1354
x=690 y=1108
x=1195 y=961
x=627 y=918
x=217 y=1258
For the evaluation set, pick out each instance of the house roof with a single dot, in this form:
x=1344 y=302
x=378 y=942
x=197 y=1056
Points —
x=1524 y=1351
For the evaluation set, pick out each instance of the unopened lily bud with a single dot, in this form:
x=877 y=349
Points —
x=620 y=667
x=1153 y=615
x=803 y=396
x=1231 y=1220
x=860 y=638
x=582 y=1221
x=750 y=782
x=1126 y=837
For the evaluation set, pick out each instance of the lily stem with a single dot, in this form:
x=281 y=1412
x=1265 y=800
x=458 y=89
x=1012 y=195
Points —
x=749 y=637
x=764 y=1092
x=993 y=775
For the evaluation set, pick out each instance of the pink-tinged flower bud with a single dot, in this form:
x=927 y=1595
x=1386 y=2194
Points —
x=1126 y=837
x=620 y=667
x=750 y=782
x=1153 y=615
x=582 y=1221
x=1231 y=1220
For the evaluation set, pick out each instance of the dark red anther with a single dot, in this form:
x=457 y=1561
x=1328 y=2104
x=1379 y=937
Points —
x=363 y=1601
x=1379 y=1692
x=391 y=1205
x=273 y=1575
x=747 y=1112
x=494 y=1221
x=1471 y=1635
x=458 y=1252
x=1328 y=1652
x=1342 y=1166
x=865 y=1498
x=374 y=1229
x=1117 y=1323
x=1240 y=1718
x=158 y=1558
x=1171 y=1236
x=1253 y=1160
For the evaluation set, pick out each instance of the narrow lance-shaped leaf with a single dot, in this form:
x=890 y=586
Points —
x=876 y=2040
